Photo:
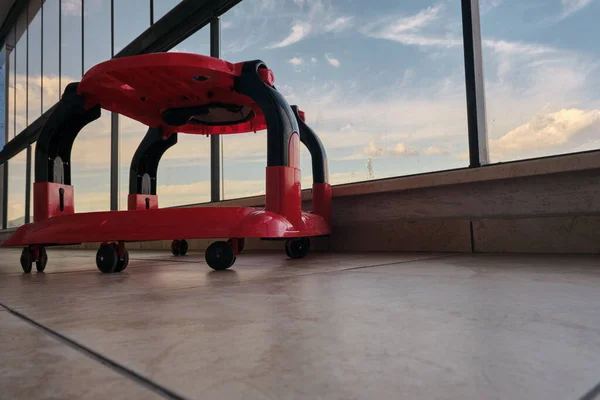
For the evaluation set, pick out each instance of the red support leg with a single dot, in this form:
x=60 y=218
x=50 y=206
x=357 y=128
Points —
x=284 y=193
x=51 y=200
x=142 y=202
x=321 y=201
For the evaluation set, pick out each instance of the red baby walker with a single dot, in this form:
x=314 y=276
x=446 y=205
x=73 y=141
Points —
x=175 y=93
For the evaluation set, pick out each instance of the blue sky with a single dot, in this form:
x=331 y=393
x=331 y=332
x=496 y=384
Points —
x=380 y=81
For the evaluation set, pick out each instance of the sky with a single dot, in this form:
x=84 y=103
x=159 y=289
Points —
x=382 y=83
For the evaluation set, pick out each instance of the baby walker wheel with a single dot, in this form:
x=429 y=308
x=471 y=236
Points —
x=107 y=258
x=40 y=263
x=179 y=247
x=297 y=248
x=220 y=256
x=122 y=264
x=27 y=260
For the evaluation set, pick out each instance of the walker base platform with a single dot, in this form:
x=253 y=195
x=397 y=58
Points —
x=175 y=93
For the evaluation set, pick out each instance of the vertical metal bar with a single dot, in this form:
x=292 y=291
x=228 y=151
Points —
x=4 y=167
x=2 y=202
x=42 y=58
x=476 y=113
x=5 y=195
x=82 y=37
x=114 y=161
x=114 y=129
x=112 y=28
x=151 y=12
x=59 y=49
x=215 y=140
x=14 y=89
x=28 y=186
x=26 y=67
x=28 y=153
x=6 y=78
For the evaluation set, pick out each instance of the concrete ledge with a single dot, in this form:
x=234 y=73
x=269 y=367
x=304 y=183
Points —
x=549 y=166
x=5 y=234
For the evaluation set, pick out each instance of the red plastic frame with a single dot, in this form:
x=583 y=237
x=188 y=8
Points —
x=136 y=87
x=142 y=87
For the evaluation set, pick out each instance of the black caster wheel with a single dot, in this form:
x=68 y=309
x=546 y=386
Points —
x=297 y=248
x=123 y=263
x=107 y=258
x=240 y=244
x=219 y=256
x=40 y=263
x=27 y=260
x=179 y=247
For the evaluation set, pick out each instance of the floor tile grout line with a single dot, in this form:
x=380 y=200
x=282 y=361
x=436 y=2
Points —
x=278 y=278
x=400 y=262
x=592 y=394
x=113 y=365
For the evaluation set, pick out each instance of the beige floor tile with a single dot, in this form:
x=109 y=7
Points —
x=33 y=365
x=480 y=327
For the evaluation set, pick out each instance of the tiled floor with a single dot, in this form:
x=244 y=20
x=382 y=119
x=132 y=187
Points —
x=331 y=326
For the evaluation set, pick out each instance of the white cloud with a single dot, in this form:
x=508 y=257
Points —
x=300 y=30
x=418 y=21
x=436 y=151
x=403 y=150
x=313 y=59
x=545 y=131
x=570 y=7
x=267 y=4
x=242 y=43
x=409 y=30
x=71 y=7
x=486 y=6
x=339 y=24
x=400 y=149
x=407 y=78
x=333 y=61
x=413 y=31
x=287 y=92
x=313 y=18
x=518 y=48
x=297 y=61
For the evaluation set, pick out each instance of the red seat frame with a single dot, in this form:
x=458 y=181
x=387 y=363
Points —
x=144 y=88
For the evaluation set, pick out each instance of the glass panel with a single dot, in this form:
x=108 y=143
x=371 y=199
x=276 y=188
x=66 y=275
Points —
x=16 y=190
x=91 y=151
x=90 y=169
x=184 y=171
x=3 y=88
x=34 y=71
x=21 y=74
x=10 y=59
x=50 y=85
x=97 y=32
x=132 y=17
x=161 y=7
x=71 y=68
x=382 y=84
x=541 y=78
x=131 y=134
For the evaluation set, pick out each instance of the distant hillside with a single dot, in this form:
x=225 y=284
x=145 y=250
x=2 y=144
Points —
x=16 y=222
